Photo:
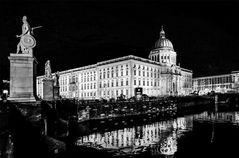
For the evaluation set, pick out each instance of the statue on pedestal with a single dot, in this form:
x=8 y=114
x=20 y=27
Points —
x=27 y=41
x=48 y=69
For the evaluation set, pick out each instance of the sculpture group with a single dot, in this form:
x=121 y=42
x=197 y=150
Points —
x=27 y=41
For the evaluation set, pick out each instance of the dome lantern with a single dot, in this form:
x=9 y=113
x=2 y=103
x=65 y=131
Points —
x=163 y=42
x=162 y=33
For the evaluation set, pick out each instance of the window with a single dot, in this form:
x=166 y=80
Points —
x=135 y=82
x=127 y=82
x=112 y=74
x=122 y=82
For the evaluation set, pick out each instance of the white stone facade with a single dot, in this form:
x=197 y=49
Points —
x=111 y=78
x=219 y=83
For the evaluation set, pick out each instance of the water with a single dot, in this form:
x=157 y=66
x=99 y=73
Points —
x=200 y=135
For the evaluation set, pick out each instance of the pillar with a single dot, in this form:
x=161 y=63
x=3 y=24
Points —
x=22 y=78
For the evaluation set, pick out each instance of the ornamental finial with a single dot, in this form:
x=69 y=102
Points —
x=162 y=33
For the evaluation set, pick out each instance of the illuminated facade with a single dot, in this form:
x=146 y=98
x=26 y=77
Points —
x=220 y=83
x=158 y=76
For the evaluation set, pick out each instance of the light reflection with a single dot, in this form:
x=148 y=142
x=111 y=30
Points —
x=138 y=139
x=159 y=138
x=227 y=117
x=169 y=145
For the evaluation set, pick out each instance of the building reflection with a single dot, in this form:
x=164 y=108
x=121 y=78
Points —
x=226 y=117
x=159 y=137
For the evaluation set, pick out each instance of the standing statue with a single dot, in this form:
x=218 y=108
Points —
x=48 y=69
x=27 y=41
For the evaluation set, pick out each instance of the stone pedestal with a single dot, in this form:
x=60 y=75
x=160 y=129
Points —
x=22 y=78
x=56 y=92
x=48 y=89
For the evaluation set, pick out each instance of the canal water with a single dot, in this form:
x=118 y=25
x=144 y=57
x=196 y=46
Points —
x=206 y=134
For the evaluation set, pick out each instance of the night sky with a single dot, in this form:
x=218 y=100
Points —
x=77 y=33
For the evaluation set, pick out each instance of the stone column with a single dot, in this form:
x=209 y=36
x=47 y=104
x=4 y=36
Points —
x=22 y=78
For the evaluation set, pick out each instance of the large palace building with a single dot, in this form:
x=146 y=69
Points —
x=157 y=76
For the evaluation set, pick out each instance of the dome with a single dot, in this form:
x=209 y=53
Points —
x=163 y=42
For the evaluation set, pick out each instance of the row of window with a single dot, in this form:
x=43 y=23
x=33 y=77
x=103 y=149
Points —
x=146 y=83
x=115 y=68
x=146 y=74
x=157 y=57
x=111 y=74
x=213 y=87
x=88 y=86
x=215 y=80
x=88 y=78
x=63 y=80
x=88 y=94
x=112 y=93
x=63 y=88
x=114 y=84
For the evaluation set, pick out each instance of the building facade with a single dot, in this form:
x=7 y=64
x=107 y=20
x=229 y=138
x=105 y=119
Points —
x=220 y=83
x=158 y=76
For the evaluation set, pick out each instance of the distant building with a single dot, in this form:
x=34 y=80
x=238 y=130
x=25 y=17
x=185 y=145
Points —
x=158 y=76
x=220 y=83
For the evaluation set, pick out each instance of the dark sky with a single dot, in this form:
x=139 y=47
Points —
x=79 y=33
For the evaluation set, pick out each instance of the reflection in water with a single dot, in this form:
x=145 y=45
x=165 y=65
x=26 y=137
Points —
x=159 y=138
x=137 y=139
